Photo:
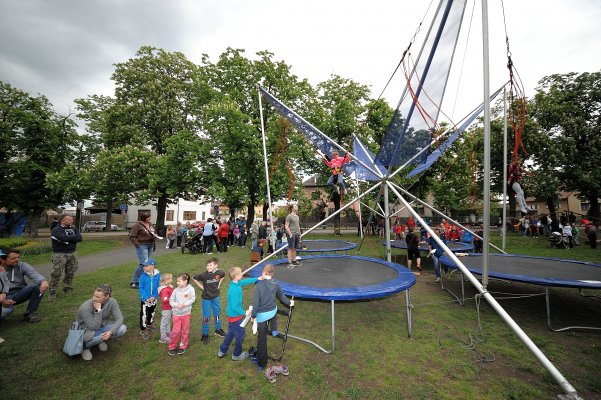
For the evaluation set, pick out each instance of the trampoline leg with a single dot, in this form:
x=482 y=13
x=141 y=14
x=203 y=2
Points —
x=315 y=344
x=459 y=300
x=409 y=307
x=567 y=328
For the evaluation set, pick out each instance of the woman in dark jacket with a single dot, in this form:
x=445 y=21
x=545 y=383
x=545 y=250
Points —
x=143 y=236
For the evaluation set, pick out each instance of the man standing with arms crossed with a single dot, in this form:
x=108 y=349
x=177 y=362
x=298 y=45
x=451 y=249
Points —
x=64 y=240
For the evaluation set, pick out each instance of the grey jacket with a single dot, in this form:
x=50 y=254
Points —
x=94 y=320
x=186 y=296
x=4 y=282
x=265 y=293
x=16 y=276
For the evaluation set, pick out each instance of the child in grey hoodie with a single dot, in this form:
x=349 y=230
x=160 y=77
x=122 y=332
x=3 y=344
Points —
x=265 y=311
x=181 y=302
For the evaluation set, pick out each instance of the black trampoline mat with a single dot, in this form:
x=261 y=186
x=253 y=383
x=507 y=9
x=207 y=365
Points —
x=536 y=267
x=454 y=246
x=324 y=245
x=335 y=272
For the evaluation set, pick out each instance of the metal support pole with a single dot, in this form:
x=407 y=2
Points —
x=360 y=214
x=504 y=229
x=486 y=178
x=266 y=171
x=387 y=223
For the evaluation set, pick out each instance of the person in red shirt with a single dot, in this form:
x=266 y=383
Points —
x=411 y=223
x=165 y=291
x=335 y=164
x=222 y=233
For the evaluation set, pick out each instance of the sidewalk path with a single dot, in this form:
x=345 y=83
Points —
x=106 y=259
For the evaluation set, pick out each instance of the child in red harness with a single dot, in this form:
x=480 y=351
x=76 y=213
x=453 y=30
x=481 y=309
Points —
x=335 y=164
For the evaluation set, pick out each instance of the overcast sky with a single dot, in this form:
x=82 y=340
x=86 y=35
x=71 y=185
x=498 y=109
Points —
x=65 y=49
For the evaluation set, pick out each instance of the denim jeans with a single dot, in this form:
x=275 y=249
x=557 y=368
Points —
x=234 y=331
x=144 y=251
x=436 y=263
x=340 y=180
x=96 y=340
x=29 y=293
x=207 y=306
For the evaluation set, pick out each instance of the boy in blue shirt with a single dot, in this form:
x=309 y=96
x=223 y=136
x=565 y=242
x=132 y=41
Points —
x=235 y=315
x=436 y=252
x=149 y=292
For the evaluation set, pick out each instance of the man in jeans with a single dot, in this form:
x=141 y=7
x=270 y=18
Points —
x=19 y=291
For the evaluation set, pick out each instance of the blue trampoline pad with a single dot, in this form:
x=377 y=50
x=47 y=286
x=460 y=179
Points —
x=324 y=246
x=535 y=270
x=455 y=247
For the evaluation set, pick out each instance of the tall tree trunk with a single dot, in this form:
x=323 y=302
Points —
x=594 y=213
x=551 y=206
x=161 y=208
x=265 y=209
x=109 y=215
x=336 y=201
x=77 y=215
x=251 y=211
x=34 y=222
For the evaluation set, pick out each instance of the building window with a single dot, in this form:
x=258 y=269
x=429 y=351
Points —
x=169 y=215
x=203 y=215
x=190 y=215
x=585 y=206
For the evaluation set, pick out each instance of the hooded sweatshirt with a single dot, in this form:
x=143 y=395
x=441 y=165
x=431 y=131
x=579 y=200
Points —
x=265 y=293
x=94 y=320
x=149 y=284
x=4 y=282
x=16 y=276
x=187 y=296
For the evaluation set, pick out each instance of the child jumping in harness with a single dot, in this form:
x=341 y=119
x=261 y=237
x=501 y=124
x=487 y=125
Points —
x=265 y=314
x=515 y=175
x=335 y=164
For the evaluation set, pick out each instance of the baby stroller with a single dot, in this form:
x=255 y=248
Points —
x=193 y=244
x=558 y=241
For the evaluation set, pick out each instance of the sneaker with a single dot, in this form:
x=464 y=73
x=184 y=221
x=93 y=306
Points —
x=297 y=263
x=270 y=374
x=68 y=291
x=281 y=369
x=32 y=317
x=2 y=340
x=220 y=354
x=210 y=252
x=103 y=346
x=243 y=356
x=151 y=328
x=291 y=266
x=145 y=335
x=180 y=351
x=164 y=340
x=204 y=339
x=220 y=333
x=52 y=296
x=171 y=352
x=133 y=285
x=86 y=355
x=437 y=280
x=280 y=335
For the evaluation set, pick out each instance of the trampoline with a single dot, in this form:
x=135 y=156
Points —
x=336 y=277
x=455 y=247
x=322 y=246
x=541 y=271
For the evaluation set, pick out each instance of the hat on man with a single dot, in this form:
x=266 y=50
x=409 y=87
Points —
x=3 y=253
x=150 y=261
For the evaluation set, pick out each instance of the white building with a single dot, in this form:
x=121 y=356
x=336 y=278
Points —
x=181 y=211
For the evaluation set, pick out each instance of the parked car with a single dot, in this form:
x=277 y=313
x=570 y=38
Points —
x=97 y=226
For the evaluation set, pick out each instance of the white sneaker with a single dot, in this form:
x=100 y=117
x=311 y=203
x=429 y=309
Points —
x=103 y=346
x=437 y=280
x=1 y=340
x=86 y=355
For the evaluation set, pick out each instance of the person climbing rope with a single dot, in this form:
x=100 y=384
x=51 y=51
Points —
x=515 y=174
x=335 y=164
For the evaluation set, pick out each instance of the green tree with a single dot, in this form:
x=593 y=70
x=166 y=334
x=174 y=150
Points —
x=567 y=107
x=35 y=142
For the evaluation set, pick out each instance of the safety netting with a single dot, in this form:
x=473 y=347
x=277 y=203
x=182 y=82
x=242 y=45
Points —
x=414 y=121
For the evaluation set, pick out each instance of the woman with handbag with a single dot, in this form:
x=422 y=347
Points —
x=102 y=319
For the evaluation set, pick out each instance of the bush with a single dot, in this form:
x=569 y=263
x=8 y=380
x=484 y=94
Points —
x=12 y=243
x=31 y=248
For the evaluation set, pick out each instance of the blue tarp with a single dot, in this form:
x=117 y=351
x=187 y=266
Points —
x=435 y=155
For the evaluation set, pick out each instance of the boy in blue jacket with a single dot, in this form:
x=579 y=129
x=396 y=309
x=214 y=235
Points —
x=148 y=287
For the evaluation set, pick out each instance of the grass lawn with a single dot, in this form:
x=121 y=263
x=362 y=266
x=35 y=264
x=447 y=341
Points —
x=446 y=358
x=84 y=248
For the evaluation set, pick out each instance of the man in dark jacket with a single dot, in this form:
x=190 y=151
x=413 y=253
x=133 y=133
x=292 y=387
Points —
x=64 y=240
